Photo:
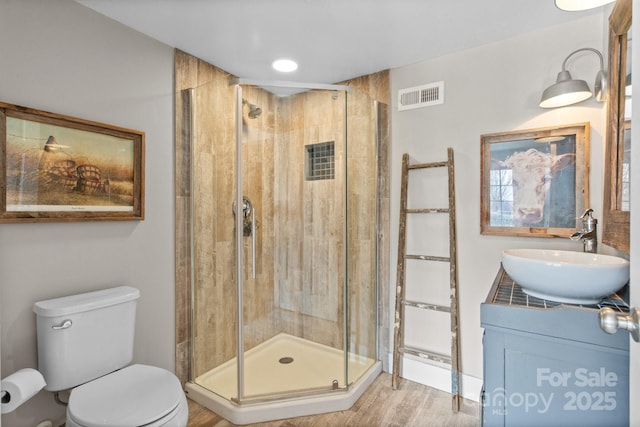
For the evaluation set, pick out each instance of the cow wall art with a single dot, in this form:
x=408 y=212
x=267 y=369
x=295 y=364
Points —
x=534 y=182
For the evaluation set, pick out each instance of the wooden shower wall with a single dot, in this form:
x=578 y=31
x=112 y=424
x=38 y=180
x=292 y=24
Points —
x=299 y=222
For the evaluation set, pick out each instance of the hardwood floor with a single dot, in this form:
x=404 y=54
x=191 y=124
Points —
x=412 y=405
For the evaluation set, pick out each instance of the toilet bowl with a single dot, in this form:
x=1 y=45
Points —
x=138 y=395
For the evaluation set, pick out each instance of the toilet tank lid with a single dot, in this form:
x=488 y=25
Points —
x=85 y=302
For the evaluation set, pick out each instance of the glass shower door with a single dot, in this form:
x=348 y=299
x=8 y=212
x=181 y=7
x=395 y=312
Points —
x=292 y=229
x=213 y=262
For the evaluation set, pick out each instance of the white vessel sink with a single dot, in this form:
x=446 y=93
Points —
x=566 y=276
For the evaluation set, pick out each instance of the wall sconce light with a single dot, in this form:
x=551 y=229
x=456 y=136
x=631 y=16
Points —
x=567 y=91
x=576 y=5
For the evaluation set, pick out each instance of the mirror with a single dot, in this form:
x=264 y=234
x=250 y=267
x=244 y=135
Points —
x=615 y=215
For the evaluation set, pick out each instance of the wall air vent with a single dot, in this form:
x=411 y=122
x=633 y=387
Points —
x=421 y=96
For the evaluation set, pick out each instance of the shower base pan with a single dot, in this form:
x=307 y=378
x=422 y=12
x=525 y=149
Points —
x=273 y=371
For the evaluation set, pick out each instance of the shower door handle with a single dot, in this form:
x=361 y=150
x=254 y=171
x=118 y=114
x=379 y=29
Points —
x=247 y=209
x=253 y=240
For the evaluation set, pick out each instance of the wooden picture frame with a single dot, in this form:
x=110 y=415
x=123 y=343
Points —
x=534 y=182
x=61 y=168
x=616 y=214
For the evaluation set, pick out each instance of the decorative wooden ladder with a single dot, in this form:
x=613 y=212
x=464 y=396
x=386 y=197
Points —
x=399 y=348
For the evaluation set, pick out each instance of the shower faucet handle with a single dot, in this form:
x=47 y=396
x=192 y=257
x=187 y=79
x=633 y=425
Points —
x=247 y=207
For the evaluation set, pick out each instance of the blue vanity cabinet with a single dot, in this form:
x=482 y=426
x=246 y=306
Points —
x=549 y=364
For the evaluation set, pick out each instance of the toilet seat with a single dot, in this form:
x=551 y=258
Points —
x=138 y=395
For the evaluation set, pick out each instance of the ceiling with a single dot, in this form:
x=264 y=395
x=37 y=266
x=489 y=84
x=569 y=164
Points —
x=332 y=40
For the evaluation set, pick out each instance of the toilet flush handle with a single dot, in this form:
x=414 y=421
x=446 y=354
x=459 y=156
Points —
x=64 y=325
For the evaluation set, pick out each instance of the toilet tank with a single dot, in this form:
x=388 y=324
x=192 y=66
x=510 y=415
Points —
x=85 y=336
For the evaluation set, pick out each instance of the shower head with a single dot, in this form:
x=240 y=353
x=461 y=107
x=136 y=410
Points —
x=254 y=110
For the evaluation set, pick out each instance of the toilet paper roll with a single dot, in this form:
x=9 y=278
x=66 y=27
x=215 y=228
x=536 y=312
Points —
x=19 y=387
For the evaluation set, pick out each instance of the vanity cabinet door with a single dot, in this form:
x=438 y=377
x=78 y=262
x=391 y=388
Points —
x=545 y=381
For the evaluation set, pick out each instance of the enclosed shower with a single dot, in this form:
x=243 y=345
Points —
x=283 y=223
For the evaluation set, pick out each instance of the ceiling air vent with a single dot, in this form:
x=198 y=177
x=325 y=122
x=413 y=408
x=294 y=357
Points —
x=421 y=96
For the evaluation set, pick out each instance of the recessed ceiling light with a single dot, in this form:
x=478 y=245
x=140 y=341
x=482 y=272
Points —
x=575 y=5
x=284 y=65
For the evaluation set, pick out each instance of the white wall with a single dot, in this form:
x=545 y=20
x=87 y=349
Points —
x=492 y=88
x=59 y=56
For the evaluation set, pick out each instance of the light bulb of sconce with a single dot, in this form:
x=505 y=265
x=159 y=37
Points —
x=577 y=5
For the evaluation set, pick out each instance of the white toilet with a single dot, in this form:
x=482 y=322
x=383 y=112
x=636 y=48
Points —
x=85 y=343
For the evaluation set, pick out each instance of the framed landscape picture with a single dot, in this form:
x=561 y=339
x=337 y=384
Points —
x=60 y=168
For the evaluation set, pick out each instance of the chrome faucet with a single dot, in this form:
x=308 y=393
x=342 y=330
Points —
x=589 y=232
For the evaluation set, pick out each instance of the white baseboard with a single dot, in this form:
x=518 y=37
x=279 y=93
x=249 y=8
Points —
x=438 y=377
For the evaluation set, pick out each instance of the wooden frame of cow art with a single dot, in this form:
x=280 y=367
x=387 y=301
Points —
x=534 y=182
x=61 y=168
